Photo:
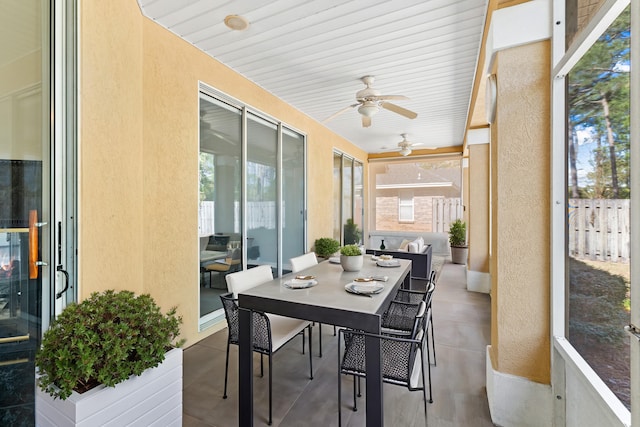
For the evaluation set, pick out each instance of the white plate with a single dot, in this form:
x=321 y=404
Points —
x=364 y=288
x=300 y=284
x=389 y=263
x=334 y=260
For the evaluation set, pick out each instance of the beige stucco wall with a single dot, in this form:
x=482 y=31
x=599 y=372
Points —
x=520 y=158
x=110 y=211
x=478 y=208
x=139 y=156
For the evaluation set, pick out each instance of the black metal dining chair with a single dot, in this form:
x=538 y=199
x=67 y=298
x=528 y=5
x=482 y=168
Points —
x=397 y=320
x=270 y=332
x=415 y=296
x=401 y=357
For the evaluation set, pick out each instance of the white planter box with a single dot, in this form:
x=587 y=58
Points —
x=153 y=398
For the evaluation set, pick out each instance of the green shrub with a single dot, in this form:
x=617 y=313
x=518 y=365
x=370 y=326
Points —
x=458 y=233
x=350 y=250
x=104 y=340
x=326 y=246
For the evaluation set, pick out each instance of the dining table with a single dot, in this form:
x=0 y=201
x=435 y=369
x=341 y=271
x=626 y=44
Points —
x=328 y=302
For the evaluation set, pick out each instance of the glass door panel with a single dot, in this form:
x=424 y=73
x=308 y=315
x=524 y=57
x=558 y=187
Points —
x=293 y=197
x=24 y=154
x=337 y=196
x=220 y=214
x=262 y=193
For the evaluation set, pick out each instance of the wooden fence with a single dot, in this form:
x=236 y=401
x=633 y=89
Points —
x=444 y=212
x=599 y=229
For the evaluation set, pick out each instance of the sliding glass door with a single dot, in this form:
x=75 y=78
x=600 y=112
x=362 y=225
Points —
x=262 y=192
x=220 y=214
x=252 y=196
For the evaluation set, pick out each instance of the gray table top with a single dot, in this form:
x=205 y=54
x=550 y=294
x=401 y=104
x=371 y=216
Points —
x=328 y=301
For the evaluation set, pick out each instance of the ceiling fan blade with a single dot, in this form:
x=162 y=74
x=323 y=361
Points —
x=366 y=121
x=391 y=97
x=399 y=110
x=415 y=144
x=344 y=110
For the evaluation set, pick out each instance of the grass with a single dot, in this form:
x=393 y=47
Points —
x=599 y=308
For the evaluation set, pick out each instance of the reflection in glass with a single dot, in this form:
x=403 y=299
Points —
x=24 y=158
x=262 y=186
x=598 y=203
x=578 y=14
x=219 y=222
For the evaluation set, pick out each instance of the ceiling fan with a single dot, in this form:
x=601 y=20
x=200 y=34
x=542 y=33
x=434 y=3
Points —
x=370 y=101
x=405 y=146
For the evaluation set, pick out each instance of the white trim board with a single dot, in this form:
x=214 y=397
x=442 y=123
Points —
x=516 y=26
x=516 y=401
x=478 y=281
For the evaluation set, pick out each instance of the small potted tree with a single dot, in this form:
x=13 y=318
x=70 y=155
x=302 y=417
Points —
x=458 y=242
x=107 y=357
x=351 y=258
x=326 y=246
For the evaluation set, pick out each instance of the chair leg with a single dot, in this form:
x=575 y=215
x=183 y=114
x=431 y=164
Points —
x=433 y=341
x=424 y=393
x=428 y=368
x=359 y=389
x=303 y=341
x=226 y=372
x=355 y=401
x=270 y=389
x=261 y=366
x=339 y=389
x=310 y=354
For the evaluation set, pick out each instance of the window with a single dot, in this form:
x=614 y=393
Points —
x=405 y=209
x=595 y=296
x=348 y=199
x=599 y=171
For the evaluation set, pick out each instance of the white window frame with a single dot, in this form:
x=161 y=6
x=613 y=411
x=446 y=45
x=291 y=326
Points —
x=406 y=202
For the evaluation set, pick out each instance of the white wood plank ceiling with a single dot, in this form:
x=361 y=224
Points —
x=313 y=53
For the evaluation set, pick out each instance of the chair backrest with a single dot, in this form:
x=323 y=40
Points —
x=242 y=280
x=404 y=317
x=303 y=261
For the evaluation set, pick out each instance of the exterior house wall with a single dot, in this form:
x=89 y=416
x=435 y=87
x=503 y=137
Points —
x=387 y=214
x=138 y=156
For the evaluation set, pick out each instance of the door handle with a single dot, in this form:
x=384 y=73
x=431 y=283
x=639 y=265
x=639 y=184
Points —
x=66 y=281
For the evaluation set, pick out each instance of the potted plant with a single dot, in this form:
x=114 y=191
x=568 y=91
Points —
x=326 y=246
x=351 y=233
x=458 y=242
x=114 y=348
x=351 y=258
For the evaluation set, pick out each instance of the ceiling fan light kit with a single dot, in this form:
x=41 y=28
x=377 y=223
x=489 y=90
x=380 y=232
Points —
x=368 y=109
x=369 y=102
x=405 y=146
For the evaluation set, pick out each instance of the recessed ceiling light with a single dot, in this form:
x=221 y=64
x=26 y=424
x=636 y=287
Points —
x=236 y=22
